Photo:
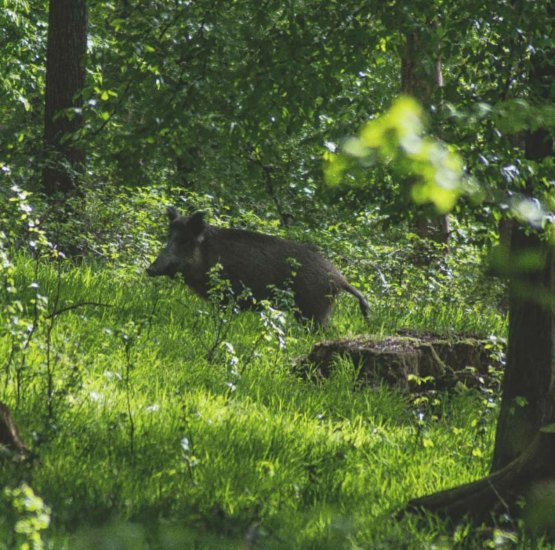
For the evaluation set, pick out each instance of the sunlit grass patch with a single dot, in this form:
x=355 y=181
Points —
x=149 y=407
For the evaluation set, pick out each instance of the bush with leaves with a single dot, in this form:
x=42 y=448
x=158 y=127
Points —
x=25 y=516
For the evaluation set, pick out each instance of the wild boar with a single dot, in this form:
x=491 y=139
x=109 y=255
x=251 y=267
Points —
x=261 y=263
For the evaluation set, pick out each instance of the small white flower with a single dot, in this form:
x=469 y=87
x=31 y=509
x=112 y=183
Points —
x=95 y=396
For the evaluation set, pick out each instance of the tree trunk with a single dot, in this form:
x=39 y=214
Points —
x=527 y=481
x=421 y=75
x=11 y=444
x=524 y=454
x=65 y=77
x=529 y=383
x=421 y=72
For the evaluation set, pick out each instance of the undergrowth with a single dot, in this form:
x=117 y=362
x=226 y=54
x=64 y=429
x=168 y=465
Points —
x=160 y=420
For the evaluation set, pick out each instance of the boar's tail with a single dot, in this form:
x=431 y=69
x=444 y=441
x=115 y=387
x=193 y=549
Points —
x=361 y=299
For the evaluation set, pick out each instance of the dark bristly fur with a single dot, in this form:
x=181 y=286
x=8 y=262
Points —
x=253 y=260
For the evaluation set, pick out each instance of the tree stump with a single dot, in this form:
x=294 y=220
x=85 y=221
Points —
x=411 y=362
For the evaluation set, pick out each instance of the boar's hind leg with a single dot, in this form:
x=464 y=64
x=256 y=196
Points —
x=317 y=311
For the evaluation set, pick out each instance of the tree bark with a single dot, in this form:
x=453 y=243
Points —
x=524 y=455
x=529 y=382
x=65 y=77
x=421 y=75
x=523 y=465
x=421 y=72
x=11 y=444
x=504 y=491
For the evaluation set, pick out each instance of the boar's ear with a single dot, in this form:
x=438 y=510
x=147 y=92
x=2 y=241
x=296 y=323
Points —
x=196 y=223
x=171 y=212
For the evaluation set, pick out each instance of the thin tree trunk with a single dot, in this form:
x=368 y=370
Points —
x=421 y=76
x=65 y=77
x=11 y=444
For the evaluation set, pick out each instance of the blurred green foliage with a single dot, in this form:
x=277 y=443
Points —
x=397 y=139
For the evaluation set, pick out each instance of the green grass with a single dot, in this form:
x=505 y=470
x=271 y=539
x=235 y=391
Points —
x=151 y=434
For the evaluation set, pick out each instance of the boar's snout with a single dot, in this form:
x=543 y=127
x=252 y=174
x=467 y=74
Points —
x=161 y=266
x=156 y=268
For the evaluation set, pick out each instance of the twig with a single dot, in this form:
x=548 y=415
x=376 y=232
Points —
x=75 y=306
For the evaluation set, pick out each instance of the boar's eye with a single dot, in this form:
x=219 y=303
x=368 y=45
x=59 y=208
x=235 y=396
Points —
x=172 y=213
x=195 y=223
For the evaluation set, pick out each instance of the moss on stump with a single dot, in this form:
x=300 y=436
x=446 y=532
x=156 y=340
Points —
x=411 y=362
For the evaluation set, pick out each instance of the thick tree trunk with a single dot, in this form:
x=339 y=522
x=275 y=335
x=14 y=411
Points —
x=522 y=488
x=529 y=382
x=421 y=72
x=65 y=77
x=524 y=455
